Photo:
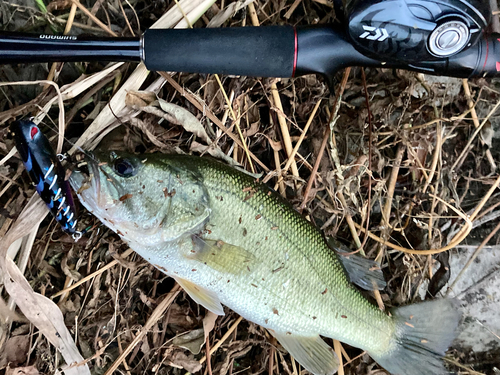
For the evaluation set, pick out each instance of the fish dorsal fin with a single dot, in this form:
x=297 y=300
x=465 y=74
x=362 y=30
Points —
x=363 y=272
x=311 y=352
x=202 y=296
x=222 y=256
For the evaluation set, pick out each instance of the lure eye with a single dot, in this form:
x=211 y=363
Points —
x=124 y=168
x=33 y=132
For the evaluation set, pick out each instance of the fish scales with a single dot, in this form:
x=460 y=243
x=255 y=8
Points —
x=228 y=239
x=298 y=264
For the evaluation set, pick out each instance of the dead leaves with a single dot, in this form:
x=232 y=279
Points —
x=150 y=103
x=40 y=310
x=192 y=341
x=15 y=351
x=30 y=370
x=180 y=360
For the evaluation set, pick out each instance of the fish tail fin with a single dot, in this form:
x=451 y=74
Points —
x=423 y=333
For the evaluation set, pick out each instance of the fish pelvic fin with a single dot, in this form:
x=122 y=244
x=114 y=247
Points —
x=202 y=296
x=423 y=333
x=311 y=352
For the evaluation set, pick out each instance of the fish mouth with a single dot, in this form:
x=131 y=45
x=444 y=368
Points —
x=85 y=180
x=97 y=189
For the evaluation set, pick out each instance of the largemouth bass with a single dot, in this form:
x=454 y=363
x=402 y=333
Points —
x=228 y=239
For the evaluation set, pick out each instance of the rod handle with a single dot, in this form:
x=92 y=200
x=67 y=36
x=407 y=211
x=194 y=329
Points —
x=249 y=51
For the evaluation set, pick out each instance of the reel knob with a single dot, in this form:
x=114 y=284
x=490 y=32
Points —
x=449 y=38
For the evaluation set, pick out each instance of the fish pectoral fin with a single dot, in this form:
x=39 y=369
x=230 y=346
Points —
x=202 y=296
x=222 y=256
x=311 y=352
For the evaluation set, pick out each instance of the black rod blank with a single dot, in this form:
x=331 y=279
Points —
x=17 y=48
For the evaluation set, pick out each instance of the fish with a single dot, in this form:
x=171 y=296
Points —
x=228 y=239
x=46 y=173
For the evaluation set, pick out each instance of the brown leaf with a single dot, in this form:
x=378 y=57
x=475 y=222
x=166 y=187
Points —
x=186 y=119
x=30 y=370
x=59 y=5
x=254 y=128
x=15 y=351
x=209 y=322
x=139 y=99
x=192 y=341
x=179 y=359
x=213 y=150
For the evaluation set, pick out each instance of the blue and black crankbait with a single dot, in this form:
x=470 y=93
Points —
x=47 y=173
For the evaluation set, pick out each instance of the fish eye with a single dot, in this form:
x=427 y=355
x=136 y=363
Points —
x=124 y=168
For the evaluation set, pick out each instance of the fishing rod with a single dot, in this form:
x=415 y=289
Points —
x=439 y=37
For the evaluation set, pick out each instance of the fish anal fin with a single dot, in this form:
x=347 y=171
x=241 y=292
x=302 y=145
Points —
x=202 y=296
x=222 y=256
x=311 y=352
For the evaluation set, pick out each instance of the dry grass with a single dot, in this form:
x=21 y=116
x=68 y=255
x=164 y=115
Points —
x=400 y=168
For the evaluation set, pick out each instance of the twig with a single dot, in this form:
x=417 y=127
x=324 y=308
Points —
x=478 y=126
x=290 y=11
x=280 y=183
x=126 y=18
x=485 y=199
x=94 y=274
x=474 y=256
x=207 y=350
x=370 y=129
x=459 y=237
x=299 y=142
x=157 y=313
x=277 y=103
x=386 y=211
x=235 y=119
x=120 y=348
x=253 y=15
x=67 y=29
x=94 y=18
x=435 y=157
x=326 y=135
x=337 y=347
x=284 y=128
x=469 y=370
x=183 y=14
x=350 y=223
x=60 y=102
x=223 y=339
x=191 y=98
x=271 y=356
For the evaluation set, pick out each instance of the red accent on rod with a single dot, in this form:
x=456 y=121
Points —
x=487 y=51
x=296 y=52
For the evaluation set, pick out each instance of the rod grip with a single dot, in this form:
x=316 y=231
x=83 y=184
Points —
x=249 y=51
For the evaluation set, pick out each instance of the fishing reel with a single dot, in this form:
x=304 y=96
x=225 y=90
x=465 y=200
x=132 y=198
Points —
x=424 y=35
x=440 y=37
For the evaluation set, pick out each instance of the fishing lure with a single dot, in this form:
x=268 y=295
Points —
x=47 y=173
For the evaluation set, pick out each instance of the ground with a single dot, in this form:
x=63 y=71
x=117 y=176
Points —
x=396 y=162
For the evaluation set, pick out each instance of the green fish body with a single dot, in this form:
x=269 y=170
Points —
x=229 y=240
